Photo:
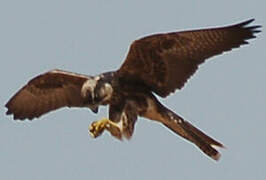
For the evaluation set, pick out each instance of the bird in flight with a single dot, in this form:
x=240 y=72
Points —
x=157 y=64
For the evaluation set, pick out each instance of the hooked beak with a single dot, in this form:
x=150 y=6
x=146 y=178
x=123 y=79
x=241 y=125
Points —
x=94 y=109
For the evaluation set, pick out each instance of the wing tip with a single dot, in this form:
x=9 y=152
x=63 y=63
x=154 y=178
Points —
x=18 y=116
x=11 y=110
x=246 y=22
x=7 y=105
x=244 y=31
x=252 y=29
x=8 y=112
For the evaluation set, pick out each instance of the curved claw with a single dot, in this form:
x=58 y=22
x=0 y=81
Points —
x=97 y=127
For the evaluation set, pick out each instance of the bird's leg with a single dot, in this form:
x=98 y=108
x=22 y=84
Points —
x=97 y=127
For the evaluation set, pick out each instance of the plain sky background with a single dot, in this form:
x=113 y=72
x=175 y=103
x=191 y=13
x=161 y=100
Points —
x=226 y=98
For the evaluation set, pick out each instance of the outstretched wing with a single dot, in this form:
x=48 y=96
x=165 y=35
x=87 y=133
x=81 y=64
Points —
x=47 y=92
x=164 y=62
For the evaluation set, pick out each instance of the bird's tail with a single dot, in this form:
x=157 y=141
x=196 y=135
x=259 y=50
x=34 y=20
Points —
x=183 y=128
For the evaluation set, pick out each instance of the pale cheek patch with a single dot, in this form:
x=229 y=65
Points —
x=89 y=85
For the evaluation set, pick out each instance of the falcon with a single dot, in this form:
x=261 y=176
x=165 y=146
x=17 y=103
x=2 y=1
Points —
x=155 y=65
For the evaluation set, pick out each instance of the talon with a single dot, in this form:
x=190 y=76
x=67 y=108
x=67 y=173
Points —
x=97 y=127
x=93 y=132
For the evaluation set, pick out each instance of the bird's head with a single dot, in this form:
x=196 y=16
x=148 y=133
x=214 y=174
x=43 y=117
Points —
x=97 y=91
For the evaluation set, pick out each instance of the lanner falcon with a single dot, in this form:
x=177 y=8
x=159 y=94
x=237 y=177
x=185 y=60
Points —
x=157 y=64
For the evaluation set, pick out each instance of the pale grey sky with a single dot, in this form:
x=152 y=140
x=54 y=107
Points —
x=226 y=98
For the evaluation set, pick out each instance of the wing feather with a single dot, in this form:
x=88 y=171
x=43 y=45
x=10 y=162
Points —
x=164 y=62
x=47 y=92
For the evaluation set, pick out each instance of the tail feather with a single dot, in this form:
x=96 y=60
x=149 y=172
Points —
x=203 y=136
x=183 y=128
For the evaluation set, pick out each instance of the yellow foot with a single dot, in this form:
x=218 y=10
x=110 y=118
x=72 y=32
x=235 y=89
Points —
x=97 y=128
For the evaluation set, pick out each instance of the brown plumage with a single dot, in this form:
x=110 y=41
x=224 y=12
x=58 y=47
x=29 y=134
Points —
x=47 y=92
x=159 y=63
x=164 y=62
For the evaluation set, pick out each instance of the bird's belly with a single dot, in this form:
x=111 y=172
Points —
x=152 y=111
